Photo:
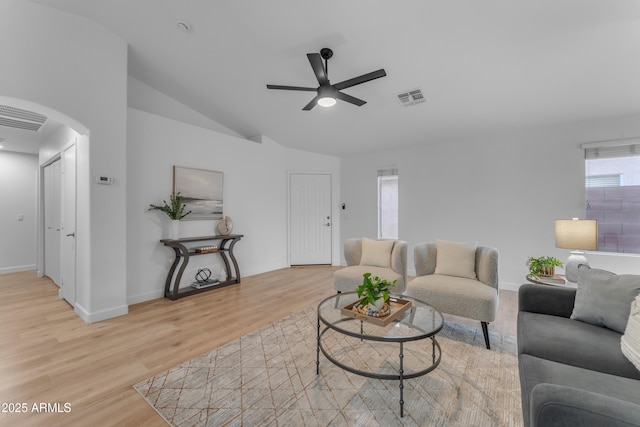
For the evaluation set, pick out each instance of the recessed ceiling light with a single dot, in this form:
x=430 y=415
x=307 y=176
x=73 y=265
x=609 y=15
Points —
x=183 y=26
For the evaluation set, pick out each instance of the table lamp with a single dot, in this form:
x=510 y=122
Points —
x=578 y=235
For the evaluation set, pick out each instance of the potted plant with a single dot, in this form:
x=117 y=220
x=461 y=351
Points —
x=543 y=266
x=175 y=211
x=374 y=291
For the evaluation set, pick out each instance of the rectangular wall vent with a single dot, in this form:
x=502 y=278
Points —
x=20 y=119
x=410 y=97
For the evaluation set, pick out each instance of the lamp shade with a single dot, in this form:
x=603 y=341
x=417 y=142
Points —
x=327 y=101
x=581 y=234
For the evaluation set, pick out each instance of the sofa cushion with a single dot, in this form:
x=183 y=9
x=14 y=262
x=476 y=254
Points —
x=545 y=383
x=376 y=253
x=604 y=298
x=575 y=343
x=630 y=342
x=456 y=295
x=456 y=259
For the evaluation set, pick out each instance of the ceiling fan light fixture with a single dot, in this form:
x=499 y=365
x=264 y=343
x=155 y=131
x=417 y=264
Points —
x=327 y=101
x=327 y=96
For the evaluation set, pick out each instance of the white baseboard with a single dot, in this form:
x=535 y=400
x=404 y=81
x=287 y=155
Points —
x=17 y=269
x=509 y=286
x=148 y=296
x=100 y=315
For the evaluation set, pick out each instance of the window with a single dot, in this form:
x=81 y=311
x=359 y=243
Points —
x=612 y=180
x=388 y=204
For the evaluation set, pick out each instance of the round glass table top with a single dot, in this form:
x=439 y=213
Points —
x=418 y=322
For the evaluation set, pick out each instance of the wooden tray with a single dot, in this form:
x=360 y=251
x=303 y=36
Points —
x=397 y=306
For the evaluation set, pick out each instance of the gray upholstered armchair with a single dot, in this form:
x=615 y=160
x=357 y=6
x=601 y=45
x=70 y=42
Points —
x=461 y=280
x=386 y=259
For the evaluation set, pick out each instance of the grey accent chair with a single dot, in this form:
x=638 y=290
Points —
x=460 y=296
x=349 y=278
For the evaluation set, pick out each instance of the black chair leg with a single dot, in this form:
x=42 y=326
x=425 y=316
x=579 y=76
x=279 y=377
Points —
x=485 y=332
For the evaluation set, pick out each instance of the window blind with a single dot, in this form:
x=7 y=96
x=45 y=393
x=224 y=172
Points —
x=611 y=149
x=388 y=172
x=613 y=180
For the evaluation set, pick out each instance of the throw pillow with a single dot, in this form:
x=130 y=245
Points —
x=630 y=342
x=604 y=298
x=456 y=259
x=376 y=253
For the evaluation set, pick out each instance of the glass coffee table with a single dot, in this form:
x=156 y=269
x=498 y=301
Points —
x=404 y=348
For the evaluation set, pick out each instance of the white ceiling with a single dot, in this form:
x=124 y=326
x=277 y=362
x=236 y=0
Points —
x=483 y=65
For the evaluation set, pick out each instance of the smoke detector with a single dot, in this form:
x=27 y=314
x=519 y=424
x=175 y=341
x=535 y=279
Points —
x=410 y=97
x=183 y=26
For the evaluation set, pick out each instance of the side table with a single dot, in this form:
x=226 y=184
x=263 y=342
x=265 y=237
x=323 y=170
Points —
x=182 y=252
x=552 y=281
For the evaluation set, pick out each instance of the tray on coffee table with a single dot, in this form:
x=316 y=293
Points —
x=397 y=306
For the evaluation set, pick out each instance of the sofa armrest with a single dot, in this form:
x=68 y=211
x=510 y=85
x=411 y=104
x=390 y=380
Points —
x=557 y=405
x=546 y=299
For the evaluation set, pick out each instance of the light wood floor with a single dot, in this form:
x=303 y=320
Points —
x=49 y=355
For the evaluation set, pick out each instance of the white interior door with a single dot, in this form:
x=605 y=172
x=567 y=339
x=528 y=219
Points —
x=310 y=219
x=68 y=246
x=52 y=219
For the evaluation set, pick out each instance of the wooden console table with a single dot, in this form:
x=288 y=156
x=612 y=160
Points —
x=183 y=253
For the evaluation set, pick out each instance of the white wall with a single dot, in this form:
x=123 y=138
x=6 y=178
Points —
x=255 y=196
x=143 y=97
x=18 y=181
x=502 y=190
x=68 y=67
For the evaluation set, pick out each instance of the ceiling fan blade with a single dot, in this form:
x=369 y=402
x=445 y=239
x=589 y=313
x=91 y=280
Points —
x=359 y=80
x=350 y=99
x=306 y=89
x=311 y=104
x=318 y=68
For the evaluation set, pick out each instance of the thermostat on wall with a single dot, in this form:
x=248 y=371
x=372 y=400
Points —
x=107 y=180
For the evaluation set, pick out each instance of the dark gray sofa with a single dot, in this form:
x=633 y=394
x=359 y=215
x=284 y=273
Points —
x=572 y=373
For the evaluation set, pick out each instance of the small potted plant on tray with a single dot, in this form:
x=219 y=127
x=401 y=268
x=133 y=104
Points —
x=543 y=266
x=374 y=292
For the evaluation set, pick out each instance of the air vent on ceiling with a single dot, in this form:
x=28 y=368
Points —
x=21 y=119
x=410 y=97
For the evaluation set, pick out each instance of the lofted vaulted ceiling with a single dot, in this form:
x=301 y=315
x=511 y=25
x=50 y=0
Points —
x=482 y=65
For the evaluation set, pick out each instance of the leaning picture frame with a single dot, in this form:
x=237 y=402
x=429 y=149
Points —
x=201 y=191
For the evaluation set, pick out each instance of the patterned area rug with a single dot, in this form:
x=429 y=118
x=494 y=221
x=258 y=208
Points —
x=268 y=378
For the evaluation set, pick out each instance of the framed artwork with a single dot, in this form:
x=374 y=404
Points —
x=201 y=191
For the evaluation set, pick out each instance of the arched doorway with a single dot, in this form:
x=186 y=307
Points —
x=53 y=137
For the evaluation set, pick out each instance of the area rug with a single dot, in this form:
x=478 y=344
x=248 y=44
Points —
x=268 y=378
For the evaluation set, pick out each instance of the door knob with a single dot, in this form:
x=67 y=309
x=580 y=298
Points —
x=71 y=235
x=328 y=224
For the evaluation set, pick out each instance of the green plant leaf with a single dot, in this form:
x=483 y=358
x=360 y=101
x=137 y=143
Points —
x=175 y=210
x=374 y=288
